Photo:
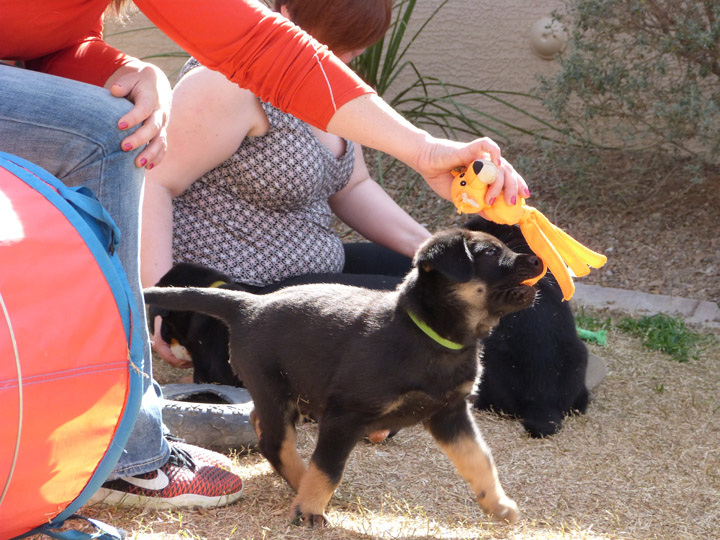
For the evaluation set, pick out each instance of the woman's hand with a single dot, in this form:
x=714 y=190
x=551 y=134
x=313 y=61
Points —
x=148 y=88
x=439 y=156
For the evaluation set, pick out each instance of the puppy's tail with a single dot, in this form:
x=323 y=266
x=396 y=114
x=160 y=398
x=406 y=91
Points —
x=224 y=304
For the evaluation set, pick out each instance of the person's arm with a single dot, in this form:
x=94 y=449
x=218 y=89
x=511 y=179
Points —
x=89 y=59
x=262 y=51
x=366 y=207
x=372 y=122
x=210 y=117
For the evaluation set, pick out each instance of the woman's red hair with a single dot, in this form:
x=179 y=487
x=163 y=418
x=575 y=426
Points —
x=342 y=25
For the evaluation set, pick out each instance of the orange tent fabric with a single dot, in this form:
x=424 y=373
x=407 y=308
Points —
x=64 y=376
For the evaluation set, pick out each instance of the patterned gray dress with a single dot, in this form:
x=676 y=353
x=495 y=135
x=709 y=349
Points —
x=262 y=216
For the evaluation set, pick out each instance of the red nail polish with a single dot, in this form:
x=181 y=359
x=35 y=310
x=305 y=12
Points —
x=127 y=147
x=123 y=125
x=513 y=201
x=151 y=166
x=143 y=161
x=526 y=192
x=492 y=201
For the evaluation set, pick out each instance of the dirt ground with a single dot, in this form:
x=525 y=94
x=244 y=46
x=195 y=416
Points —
x=643 y=463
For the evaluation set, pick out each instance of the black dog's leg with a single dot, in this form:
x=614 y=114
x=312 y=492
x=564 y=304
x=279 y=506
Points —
x=542 y=422
x=581 y=401
x=275 y=429
x=455 y=431
x=338 y=435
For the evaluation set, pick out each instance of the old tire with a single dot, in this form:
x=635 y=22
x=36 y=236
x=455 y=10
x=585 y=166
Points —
x=212 y=416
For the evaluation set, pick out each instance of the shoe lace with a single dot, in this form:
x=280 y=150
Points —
x=180 y=457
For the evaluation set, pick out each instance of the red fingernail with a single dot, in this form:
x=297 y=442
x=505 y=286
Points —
x=492 y=201
x=123 y=125
x=151 y=166
x=127 y=146
x=513 y=201
x=526 y=192
x=143 y=161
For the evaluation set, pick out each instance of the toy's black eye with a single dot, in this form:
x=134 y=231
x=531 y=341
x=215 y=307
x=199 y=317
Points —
x=462 y=174
x=463 y=183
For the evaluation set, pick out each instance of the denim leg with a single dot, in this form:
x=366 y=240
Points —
x=70 y=129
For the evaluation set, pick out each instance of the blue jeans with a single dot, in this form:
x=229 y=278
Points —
x=70 y=129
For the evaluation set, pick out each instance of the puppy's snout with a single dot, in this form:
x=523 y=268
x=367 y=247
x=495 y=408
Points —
x=534 y=261
x=529 y=265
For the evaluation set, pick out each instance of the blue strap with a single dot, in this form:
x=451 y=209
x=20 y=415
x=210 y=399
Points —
x=83 y=200
x=80 y=198
x=103 y=531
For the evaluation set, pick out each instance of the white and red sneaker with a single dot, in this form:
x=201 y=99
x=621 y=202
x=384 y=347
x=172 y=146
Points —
x=192 y=477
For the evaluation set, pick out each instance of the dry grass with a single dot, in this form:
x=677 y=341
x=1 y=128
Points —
x=644 y=463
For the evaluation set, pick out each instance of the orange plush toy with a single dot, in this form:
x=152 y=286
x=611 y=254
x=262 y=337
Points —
x=558 y=251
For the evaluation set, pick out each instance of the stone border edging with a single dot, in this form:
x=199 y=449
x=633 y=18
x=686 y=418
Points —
x=692 y=311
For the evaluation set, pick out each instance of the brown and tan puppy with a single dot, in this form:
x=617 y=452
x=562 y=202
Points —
x=361 y=361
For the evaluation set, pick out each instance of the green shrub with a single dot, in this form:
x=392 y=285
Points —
x=646 y=70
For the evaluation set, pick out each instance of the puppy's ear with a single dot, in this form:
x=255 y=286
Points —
x=450 y=255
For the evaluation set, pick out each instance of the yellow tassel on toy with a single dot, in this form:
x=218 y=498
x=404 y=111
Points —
x=559 y=252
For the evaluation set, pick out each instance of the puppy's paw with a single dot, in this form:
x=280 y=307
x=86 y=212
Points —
x=313 y=521
x=504 y=510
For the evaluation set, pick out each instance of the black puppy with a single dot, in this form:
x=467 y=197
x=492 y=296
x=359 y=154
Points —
x=195 y=336
x=534 y=363
x=361 y=360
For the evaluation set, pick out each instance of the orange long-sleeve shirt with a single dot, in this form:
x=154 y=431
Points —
x=251 y=45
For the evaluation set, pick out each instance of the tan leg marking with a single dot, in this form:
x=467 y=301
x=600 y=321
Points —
x=293 y=467
x=474 y=463
x=255 y=423
x=313 y=497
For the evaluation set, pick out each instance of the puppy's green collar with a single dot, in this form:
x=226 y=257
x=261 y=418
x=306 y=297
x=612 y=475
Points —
x=432 y=334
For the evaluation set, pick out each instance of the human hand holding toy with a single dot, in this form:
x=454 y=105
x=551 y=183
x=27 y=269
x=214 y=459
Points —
x=559 y=252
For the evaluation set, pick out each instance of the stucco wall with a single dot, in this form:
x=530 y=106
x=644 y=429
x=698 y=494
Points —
x=483 y=44
x=487 y=45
